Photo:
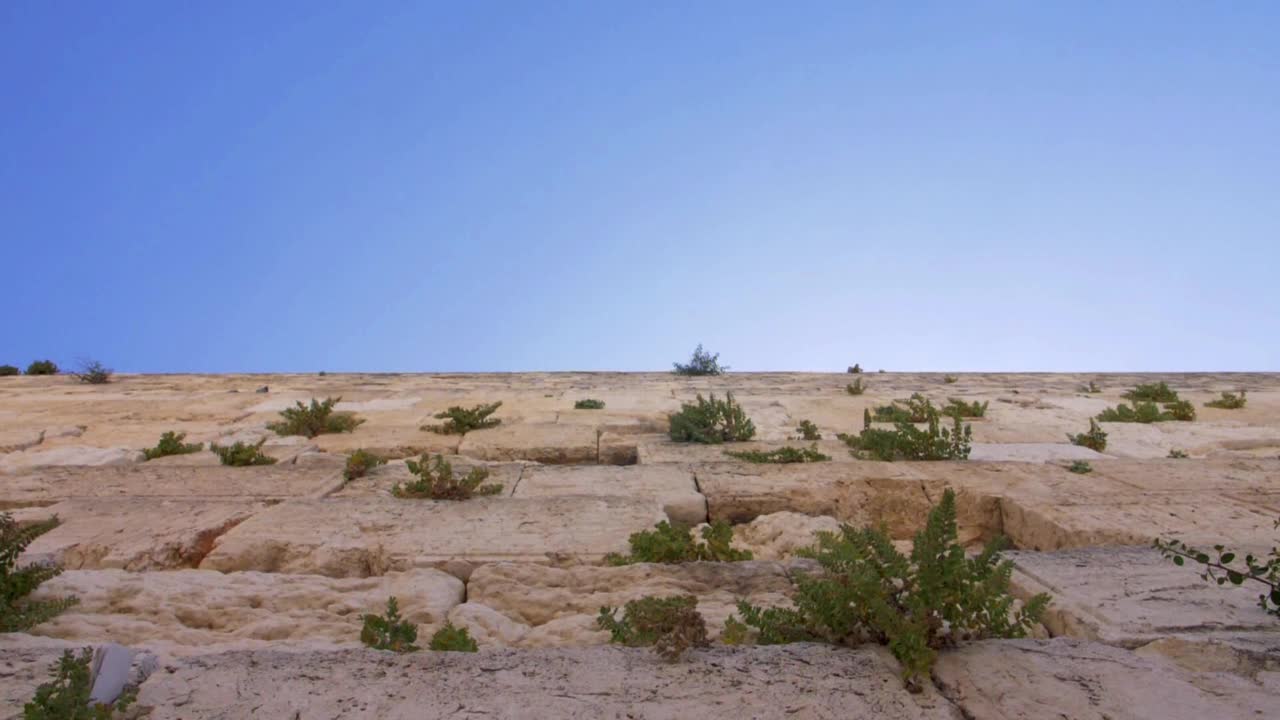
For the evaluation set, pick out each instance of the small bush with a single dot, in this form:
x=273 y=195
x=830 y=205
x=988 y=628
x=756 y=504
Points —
x=856 y=387
x=6 y=370
x=19 y=613
x=701 y=363
x=316 y=419
x=855 y=368
x=68 y=696
x=907 y=442
x=1176 y=454
x=93 y=373
x=1227 y=567
x=1149 y=412
x=670 y=625
x=956 y=407
x=918 y=409
x=673 y=544
x=389 y=631
x=1080 y=467
x=808 y=431
x=42 y=367
x=589 y=404
x=452 y=639
x=1152 y=392
x=460 y=420
x=171 y=444
x=781 y=455
x=436 y=481
x=242 y=454
x=915 y=604
x=1228 y=401
x=711 y=421
x=1095 y=439
x=950 y=379
x=359 y=463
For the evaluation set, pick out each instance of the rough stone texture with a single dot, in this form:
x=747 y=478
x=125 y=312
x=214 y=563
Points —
x=1131 y=596
x=1031 y=452
x=777 y=536
x=358 y=537
x=794 y=681
x=187 y=611
x=157 y=479
x=671 y=486
x=1033 y=679
x=383 y=478
x=536 y=596
x=134 y=533
x=539 y=442
x=27 y=661
x=93 y=456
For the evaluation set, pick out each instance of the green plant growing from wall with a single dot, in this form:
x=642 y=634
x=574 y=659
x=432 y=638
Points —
x=1152 y=392
x=1095 y=439
x=782 y=455
x=907 y=442
x=956 y=407
x=701 y=363
x=672 y=544
x=389 y=631
x=1224 y=566
x=436 y=481
x=808 y=431
x=950 y=379
x=670 y=625
x=68 y=696
x=171 y=444
x=8 y=370
x=1176 y=454
x=1080 y=467
x=856 y=387
x=318 y=418
x=242 y=454
x=42 y=367
x=18 y=612
x=359 y=463
x=711 y=421
x=589 y=404
x=917 y=605
x=459 y=420
x=1228 y=401
x=450 y=638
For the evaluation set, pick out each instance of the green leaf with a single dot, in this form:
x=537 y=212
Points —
x=1226 y=558
x=1177 y=560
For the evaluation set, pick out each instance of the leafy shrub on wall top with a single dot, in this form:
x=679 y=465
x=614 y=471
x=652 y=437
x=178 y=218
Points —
x=701 y=363
x=459 y=420
x=318 y=418
x=42 y=367
x=171 y=444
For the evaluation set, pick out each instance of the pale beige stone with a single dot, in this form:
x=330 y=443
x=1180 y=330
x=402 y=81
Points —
x=672 y=487
x=538 y=442
x=68 y=455
x=358 y=537
x=188 y=611
x=777 y=536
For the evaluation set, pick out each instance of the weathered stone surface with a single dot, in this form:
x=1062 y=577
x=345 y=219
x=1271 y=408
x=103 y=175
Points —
x=540 y=442
x=779 y=682
x=1032 y=452
x=358 y=537
x=186 y=611
x=383 y=478
x=1033 y=679
x=135 y=533
x=67 y=455
x=157 y=479
x=27 y=661
x=777 y=536
x=672 y=487
x=538 y=596
x=1130 y=596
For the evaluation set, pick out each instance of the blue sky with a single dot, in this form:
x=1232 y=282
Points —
x=503 y=186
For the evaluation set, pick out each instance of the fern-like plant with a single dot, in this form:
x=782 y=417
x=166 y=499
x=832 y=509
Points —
x=672 y=544
x=436 y=481
x=318 y=418
x=68 y=696
x=359 y=463
x=171 y=444
x=670 y=625
x=1095 y=439
x=452 y=639
x=956 y=407
x=701 y=363
x=711 y=421
x=459 y=420
x=242 y=454
x=916 y=605
x=18 y=612
x=780 y=456
x=1228 y=401
x=908 y=442
x=808 y=431
x=389 y=631
x=589 y=404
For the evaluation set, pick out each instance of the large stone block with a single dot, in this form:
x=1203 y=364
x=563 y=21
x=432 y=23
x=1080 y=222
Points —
x=670 y=486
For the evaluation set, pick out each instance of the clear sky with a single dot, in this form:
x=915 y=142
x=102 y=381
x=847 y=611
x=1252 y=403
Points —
x=418 y=186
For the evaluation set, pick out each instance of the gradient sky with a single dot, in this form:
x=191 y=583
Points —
x=379 y=186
